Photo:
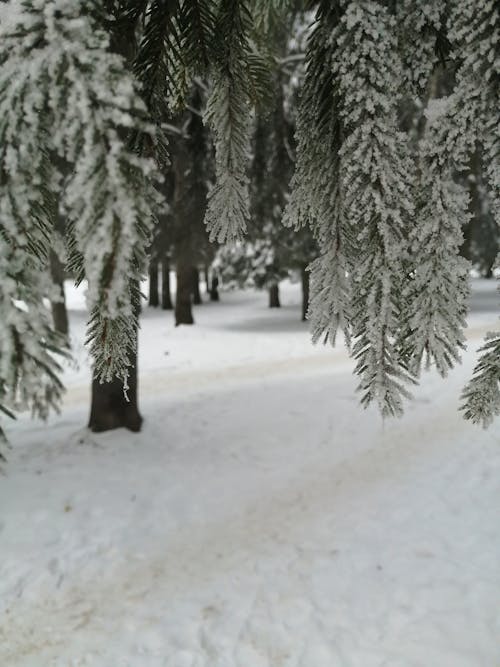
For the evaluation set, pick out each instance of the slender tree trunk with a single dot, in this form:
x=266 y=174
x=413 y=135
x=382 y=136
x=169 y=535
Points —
x=59 y=312
x=196 y=286
x=214 y=289
x=305 y=291
x=274 y=296
x=206 y=278
x=154 y=298
x=110 y=408
x=183 y=310
x=166 y=301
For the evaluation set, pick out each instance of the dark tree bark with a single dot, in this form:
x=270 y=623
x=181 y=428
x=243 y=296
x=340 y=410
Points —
x=206 y=278
x=166 y=301
x=305 y=291
x=154 y=297
x=59 y=312
x=110 y=408
x=214 y=289
x=274 y=296
x=196 y=286
x=183 y=310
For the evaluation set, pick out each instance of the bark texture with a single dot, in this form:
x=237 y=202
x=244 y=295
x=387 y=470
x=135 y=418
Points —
x=196 y=286
x=59 y=312
x=274 y=296
x=154 y=294
x=183 y=310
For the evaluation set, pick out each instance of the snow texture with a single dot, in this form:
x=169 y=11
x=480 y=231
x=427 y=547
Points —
x=259 y=520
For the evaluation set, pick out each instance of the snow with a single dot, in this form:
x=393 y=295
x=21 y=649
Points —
x=261 y=519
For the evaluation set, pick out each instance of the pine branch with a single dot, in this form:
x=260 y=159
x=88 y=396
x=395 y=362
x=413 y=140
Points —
x=197 y=20
x=87 y=95
x=471 y=119
x=28 y=345
x=315 y=194
x=159 y=65
x=228 y=116
x=481 y=395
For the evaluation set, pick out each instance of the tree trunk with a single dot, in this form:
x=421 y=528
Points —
x=154 y=298
x=274 y=296
x=214 y=289
x=59 y=312
x=305 y=291
x=183 y=310
x=207 y=280
x=166 y=301
x=196 y=286
x=110 y=408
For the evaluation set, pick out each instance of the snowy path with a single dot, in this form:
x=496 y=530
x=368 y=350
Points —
x=260 y=520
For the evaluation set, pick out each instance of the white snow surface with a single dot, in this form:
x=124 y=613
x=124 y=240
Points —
x=260 y=519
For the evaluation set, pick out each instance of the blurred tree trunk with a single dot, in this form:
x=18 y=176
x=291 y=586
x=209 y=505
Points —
x=214 y=289
x=183 y=310
x=154 y=297
x=206 y=278
x=166 y=301
x=274 y=296
x=305 y=291
x=59 y=312
x=189 y=167
x=196 y=286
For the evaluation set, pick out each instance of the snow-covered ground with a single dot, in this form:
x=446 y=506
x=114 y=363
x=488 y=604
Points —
x=261 y=519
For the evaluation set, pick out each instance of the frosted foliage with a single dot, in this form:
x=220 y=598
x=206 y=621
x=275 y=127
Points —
x=419 y=23
x=376 y=184
x=436 y=293
x=248 y=264
x=228 y=114
x=473 y=113
x=355 y=189
x=57 y=70
x=27 y=366
x=315 y=194
x=482 y=393
x=385 y=209
x=330 y=298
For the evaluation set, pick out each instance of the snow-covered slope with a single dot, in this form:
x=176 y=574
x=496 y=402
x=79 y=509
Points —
x=261 y=519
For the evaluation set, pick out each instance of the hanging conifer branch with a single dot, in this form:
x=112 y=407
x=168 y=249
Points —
x=228 y=115
x=473 y=117
x=437 y=290
x=376 y=184
x=75 y=86
x=315 y=195
x=481 y=395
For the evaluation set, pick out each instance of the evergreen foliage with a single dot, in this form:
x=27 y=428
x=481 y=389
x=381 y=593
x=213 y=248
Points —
x=473 y=117
x=482 y=393
x=228 y=115
x=63 y=93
